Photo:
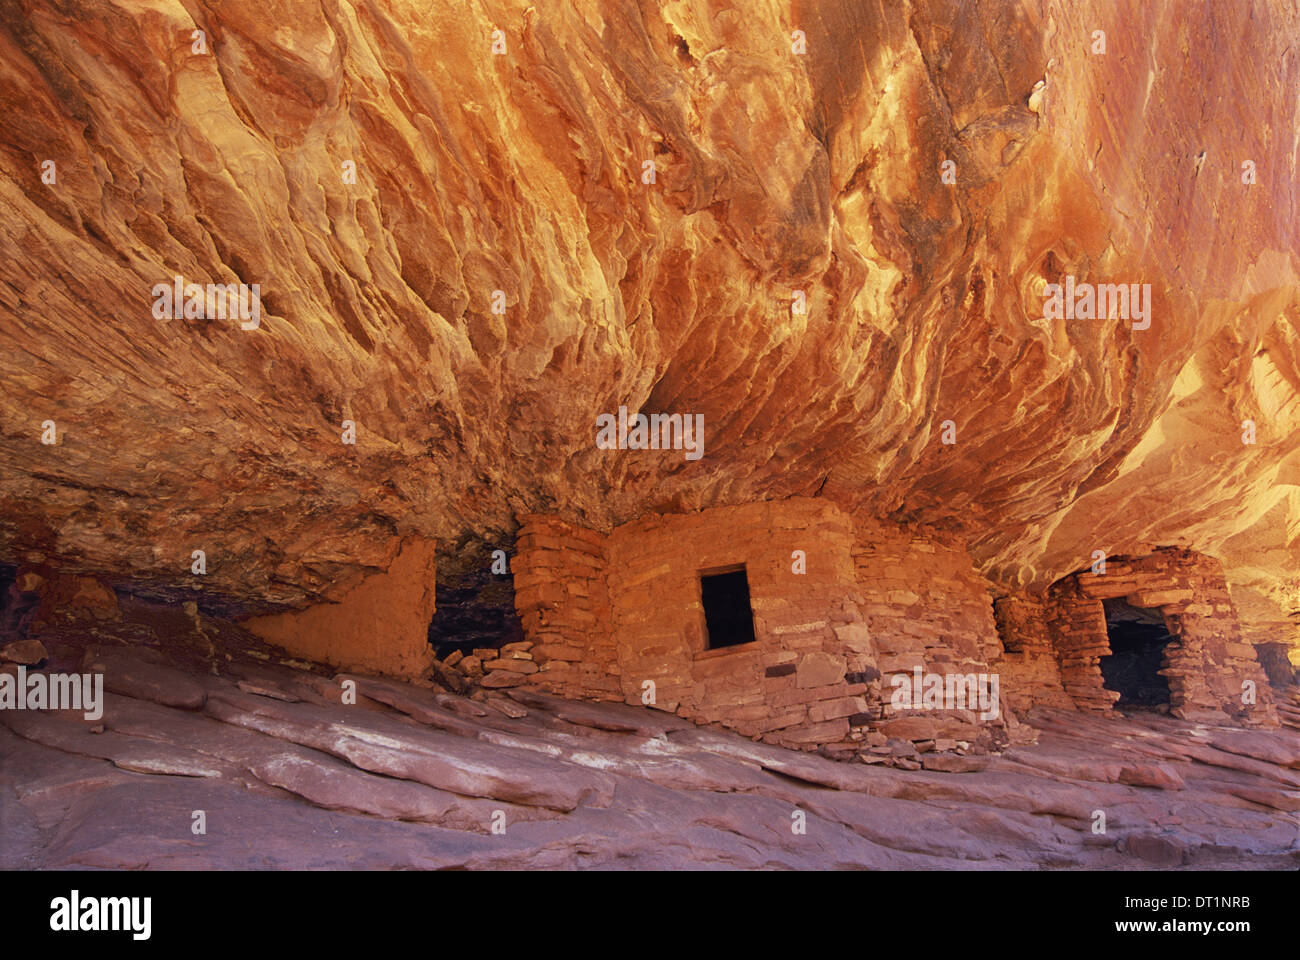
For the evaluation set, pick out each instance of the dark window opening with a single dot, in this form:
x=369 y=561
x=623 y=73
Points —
x=728 y=617
x=1137 y=653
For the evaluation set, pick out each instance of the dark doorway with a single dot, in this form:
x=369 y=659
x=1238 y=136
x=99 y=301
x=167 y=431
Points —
x=475 y=605
x=728 y=618
x=1137 y=644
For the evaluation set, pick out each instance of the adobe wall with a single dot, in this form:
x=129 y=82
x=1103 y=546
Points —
x=1206 y=663
x=379 y=626
x=926 y=606
x=925 y=603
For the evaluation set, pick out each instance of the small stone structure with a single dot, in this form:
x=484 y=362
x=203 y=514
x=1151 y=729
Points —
x=1212 y=674
x=842 y=607
x=839 y=609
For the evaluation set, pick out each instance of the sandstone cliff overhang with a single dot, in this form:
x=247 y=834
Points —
x=797 y=271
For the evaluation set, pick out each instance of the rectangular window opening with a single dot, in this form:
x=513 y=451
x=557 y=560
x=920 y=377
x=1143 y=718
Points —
x=728 y=617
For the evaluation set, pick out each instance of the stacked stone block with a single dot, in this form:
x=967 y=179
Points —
x=1212 y=673
x=1030 y=674
x=563 y=605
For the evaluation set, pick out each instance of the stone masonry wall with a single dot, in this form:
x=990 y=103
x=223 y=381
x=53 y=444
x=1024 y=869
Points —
x=835 y=605
x=563 y=604
x=1078 y=627
x=810 y=677
x=927 y=607
x=1030 y=674
x=620 y=617
x=1206 y=662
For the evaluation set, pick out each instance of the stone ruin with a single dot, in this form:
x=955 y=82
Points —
x=844 y=614
x=838 y=614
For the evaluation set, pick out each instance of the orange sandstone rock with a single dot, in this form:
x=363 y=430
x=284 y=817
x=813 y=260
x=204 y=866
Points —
x=800 y=271
x=382 y=625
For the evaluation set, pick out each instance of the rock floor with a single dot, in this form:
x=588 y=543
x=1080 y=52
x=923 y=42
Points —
x=287 y=776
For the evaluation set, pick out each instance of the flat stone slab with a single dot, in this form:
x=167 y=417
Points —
x=132 y=674
x=410 y=777
x=460 y=765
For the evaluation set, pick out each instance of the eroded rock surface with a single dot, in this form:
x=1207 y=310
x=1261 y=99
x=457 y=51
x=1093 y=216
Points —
x=777 y=173
x=407 y=777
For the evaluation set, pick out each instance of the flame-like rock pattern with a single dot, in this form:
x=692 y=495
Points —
x=787 y=167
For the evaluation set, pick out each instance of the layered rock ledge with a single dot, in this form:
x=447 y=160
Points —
x=287 y=774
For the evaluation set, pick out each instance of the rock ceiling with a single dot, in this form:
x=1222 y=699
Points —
x=787 y=167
